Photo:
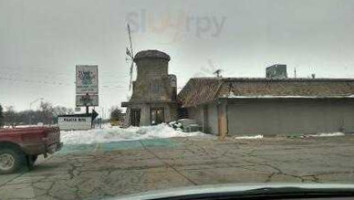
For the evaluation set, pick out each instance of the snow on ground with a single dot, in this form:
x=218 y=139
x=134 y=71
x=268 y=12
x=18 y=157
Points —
x=231 y=95
x=24 y=126
x=303 y=136
x=327 y=134
x=249 y=137
x=114 y=134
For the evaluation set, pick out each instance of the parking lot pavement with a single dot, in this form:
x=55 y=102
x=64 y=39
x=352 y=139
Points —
x=106 y=170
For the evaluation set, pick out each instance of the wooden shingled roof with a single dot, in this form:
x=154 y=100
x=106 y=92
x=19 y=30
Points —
x=203 y=90
x=199 y=91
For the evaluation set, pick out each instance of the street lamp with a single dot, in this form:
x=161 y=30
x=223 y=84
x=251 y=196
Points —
x=34 y=101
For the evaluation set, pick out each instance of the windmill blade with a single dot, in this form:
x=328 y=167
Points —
x=127 y=51
x=130 y=53
x=130 y=41
x=131 y=75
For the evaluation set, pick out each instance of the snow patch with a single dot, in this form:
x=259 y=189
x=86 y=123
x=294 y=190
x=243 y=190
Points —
x=114 y=134
x=26 y=126
x=327 y=134
x=249 y=137
x=233 y=96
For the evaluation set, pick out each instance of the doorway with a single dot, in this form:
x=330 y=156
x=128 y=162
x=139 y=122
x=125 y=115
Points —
x=157 y=116
x=135 y=117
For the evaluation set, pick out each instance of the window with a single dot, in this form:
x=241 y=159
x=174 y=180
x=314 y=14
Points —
x=157 y=116
x=155 y=87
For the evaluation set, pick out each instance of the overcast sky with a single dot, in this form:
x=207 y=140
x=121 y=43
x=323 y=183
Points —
x=41 y=41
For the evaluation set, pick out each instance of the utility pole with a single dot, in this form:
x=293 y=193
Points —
x=86 y=102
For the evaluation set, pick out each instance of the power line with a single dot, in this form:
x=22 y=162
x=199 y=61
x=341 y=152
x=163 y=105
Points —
x=48 y=71
x=49 y=80
x=54 y=83
x=55 y=75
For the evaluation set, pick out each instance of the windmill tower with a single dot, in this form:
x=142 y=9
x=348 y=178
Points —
x=154 y=96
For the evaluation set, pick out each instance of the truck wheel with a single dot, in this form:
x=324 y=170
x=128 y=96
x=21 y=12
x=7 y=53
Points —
x=11 y=160
x=30 y=161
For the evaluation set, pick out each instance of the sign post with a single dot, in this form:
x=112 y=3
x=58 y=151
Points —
x=86 y=86
x=86 y=96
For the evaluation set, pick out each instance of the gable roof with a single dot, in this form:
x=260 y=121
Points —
x=203 y=90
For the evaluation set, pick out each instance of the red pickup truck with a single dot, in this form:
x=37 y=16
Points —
x=19 y=147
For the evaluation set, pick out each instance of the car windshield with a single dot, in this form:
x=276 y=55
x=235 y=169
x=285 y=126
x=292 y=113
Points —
x=103 y=99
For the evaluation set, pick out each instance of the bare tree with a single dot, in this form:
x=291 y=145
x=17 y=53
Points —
x=47 y=115
x=116 y=114
x=61 y=110
x=1 y=117
x=46 y=112
x=10 y=116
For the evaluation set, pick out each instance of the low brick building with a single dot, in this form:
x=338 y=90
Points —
x=250 y=106
x=154 y=97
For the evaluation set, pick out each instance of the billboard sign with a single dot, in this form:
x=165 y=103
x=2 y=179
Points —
x=86 y=79
x=71 y=122
x=86 y=100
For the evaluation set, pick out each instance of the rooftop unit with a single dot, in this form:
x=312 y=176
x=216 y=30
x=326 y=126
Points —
x=277 y=71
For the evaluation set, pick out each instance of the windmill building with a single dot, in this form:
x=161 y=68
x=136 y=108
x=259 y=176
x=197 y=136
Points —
x=154 y=97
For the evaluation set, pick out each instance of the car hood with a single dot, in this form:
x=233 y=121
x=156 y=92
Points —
x=226 y=188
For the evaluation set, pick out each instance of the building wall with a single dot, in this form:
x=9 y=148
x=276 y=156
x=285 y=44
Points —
x=276 y=117
x=288 y=117
x=213 y=118
x=153 y=81
x=148 y=68
x=170 y=112
x=196 y=114
x=173 y=114
x=208 y=123
x=154 y=89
